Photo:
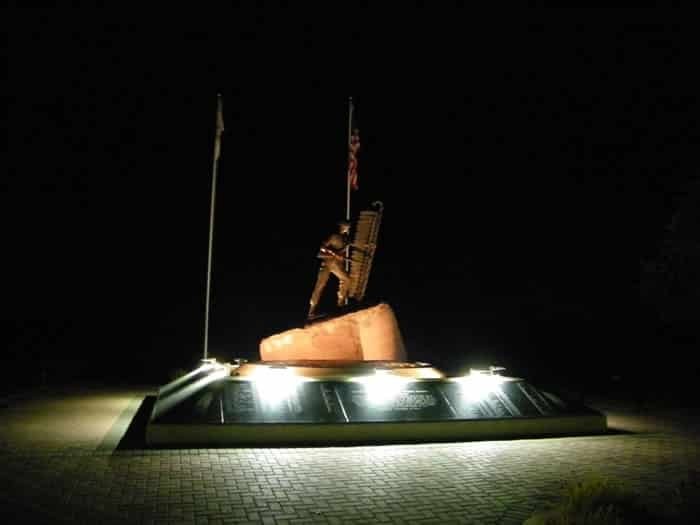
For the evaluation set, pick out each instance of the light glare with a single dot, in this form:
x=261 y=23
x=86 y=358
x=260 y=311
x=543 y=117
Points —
x=477 y=385
x=275 y=385
x=382 y=387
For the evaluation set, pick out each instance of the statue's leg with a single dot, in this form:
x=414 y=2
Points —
x=343 y=282
x=321 y=281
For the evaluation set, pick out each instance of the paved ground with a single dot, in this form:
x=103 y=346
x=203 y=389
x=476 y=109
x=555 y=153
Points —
x=69 y=458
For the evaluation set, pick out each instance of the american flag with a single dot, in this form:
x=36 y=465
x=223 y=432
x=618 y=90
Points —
x=353 y=150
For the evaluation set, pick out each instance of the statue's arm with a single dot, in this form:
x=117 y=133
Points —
x=327 y=250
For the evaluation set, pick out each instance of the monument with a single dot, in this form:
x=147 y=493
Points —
x=344 y=376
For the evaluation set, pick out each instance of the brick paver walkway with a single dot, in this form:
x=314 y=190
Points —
x=67 y=479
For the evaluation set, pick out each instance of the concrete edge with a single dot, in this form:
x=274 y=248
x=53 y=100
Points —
x=120 y=426
x=260 y=434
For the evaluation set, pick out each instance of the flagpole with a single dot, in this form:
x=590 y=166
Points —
x=347 y=187
x=347 y=197
x=217 y=154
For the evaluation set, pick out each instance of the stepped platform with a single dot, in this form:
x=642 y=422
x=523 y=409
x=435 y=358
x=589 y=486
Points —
x=342 y=402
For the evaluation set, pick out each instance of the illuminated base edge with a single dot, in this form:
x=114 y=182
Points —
x=262 y=434
x=167 y=428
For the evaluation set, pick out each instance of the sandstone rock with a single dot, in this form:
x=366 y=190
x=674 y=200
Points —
x=371 y=334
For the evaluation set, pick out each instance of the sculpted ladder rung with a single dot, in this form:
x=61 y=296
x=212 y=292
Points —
x=366 y=232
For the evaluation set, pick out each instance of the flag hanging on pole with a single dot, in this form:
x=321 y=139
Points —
x=219 y=127
x=353 y=150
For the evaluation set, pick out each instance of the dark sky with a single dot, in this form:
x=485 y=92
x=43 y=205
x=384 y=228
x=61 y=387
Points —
x=522 y=179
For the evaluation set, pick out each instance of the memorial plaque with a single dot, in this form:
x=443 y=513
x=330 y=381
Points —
x=236 y=401
x=240 y=403
x=533 y=395
x=474 y=411
x=310 y=402
x=520 y=400
x=417 y=401
x=493 y=404
x=496 y=405
x=463 y=408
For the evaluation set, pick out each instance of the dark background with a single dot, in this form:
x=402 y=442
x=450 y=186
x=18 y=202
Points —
x=530 y=174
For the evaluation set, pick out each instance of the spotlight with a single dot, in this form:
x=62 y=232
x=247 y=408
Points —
x=480 y=383
x=382 y=387
x=275 y=384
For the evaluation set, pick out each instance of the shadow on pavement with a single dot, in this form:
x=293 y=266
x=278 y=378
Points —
x=135 y=436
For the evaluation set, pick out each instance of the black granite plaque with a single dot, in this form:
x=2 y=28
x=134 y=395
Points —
x=240 y=402
x=496 y=405
x=520 y=400
x=312 y=402
x=534 y=396
x=235 y=401
x=493 y=404
x=418 y=401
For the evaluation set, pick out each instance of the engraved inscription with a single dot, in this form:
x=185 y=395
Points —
x=414 y=400
x=240 y=399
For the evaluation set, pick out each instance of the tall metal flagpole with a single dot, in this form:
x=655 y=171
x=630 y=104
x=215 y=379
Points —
x=347 y=184
x=347 y=197
x=217 y=154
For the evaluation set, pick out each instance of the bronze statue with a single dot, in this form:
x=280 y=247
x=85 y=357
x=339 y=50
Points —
x=333 y=257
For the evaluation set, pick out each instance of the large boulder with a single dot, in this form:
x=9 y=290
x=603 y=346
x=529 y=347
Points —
x=371 y=334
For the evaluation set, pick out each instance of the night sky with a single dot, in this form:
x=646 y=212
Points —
x=523 y=181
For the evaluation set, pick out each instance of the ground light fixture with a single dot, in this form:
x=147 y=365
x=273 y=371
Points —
x=275 y=384
x=478 y=384
x=382 y=387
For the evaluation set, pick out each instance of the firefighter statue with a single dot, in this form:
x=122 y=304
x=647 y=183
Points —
x=333 y=257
